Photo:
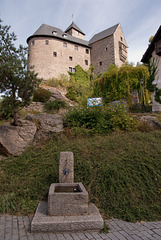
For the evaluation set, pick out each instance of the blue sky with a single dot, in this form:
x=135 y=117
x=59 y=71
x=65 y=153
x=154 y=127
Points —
x=139 y=19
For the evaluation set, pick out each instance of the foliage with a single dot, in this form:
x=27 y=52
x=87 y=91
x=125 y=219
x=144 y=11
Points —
x=151 y=39
x=80 y=84
x=157 y=95
x=54 y=105
x=41 y=95
x=16 y=81
x=62 y=81
x=118 y=83
x=121 y=172
x=99 y=120
x=153 y=70
x=6 y=108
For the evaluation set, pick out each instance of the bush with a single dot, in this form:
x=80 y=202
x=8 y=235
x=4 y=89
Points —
x=6 y=108
x=99 y=120
x=41 y=95
x=71 y=94
x=55 y=105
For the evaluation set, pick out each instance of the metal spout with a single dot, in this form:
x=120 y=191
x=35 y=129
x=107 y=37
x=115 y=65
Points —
x=66 y=171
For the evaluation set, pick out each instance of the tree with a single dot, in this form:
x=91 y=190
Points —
x=17 y=82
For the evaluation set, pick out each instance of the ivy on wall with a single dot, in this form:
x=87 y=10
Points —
x=153 y=70
x=118 y=83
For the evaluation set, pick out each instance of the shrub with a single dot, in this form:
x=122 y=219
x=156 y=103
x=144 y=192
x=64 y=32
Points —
x=99 y=120
x=55 y=105
x=71 y=94
x=6 y=108
x=41 y=95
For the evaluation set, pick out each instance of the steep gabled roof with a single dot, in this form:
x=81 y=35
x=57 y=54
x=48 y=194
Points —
x=108 y=32
x=151 y=46
x=49 y=31
x=73 y=25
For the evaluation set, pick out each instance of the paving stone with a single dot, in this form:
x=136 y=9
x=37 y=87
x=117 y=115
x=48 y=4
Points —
x=18 y=228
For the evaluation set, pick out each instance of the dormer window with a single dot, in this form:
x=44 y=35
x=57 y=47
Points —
x=54 y=32
x=64 y=35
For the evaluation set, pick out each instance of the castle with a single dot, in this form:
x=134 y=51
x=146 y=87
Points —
x=53 y=52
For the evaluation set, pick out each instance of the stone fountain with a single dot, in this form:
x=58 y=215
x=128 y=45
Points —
x=67 y=209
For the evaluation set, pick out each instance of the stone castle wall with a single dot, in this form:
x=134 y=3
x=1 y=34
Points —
x=102 y=54
x=52 y=57
x=120 y=47
x=110 y=50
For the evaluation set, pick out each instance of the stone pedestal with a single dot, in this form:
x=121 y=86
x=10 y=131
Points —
x=42 y=222
x=66 y=167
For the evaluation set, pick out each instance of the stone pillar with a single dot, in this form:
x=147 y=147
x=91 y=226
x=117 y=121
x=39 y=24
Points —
x=66 y=167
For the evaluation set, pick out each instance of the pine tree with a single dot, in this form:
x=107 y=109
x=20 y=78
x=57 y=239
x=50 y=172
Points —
x=17 y=82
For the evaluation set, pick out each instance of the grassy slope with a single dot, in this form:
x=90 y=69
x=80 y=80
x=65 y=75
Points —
x=121 y=172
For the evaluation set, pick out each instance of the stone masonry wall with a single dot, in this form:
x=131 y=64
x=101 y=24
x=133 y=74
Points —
x=120 y=47
x=52 y=57
x=102 y=54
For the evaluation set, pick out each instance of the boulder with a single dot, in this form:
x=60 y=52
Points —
x=58 y=95
x=14 y=139
x=46 y=124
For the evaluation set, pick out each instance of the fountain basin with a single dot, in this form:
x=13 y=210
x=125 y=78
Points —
x=67 y=199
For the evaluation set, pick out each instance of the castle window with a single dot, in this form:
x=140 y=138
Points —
x=54 y=32
x=121 y=39
x=54 y=54
x=86 y=62
x=106 y=48
x=70 y=69
x=87 y=51
x=46 y=42
x=76 y=47
x=100 y=63
x=64 y=44
x=70 y=58
x=33 y=43
x=74 y=70
x=64 y=35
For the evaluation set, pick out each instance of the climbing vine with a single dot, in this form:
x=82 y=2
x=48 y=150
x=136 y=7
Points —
x=118 y=83
x=153 y=70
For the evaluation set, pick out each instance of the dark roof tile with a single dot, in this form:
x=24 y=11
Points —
x=46 y=30
x=73 y=25
x=103 y=34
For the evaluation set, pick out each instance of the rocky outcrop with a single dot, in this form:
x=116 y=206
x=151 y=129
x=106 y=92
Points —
x=57 y=95
x=46 y=124
x=14 y=139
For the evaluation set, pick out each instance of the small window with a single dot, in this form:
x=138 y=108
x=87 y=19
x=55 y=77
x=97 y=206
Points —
x=46 y=42
x=64 y=35
x=70 y=69
x=54 y=32
x=54 y=54
x=70 y=58
x=106 y=49
x=86 y=62
x=76 y=47
x=87 y=51
x=100 y=63
x=33 y=43
x=74 y=70
x=121 y=38
x=64 y=44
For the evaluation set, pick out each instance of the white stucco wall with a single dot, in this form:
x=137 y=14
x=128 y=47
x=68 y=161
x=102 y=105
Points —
x=156 y=106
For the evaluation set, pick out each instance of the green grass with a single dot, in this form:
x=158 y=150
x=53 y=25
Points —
x=121 y=172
